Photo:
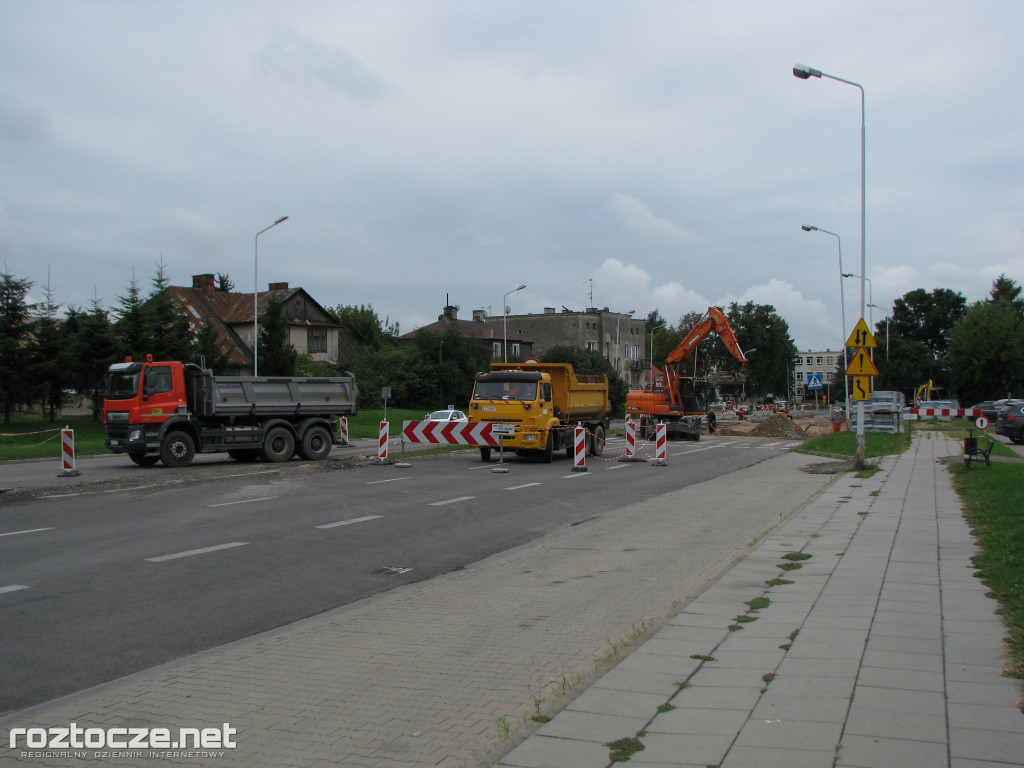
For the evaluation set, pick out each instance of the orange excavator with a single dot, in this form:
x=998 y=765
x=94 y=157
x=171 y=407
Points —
x=682 y=405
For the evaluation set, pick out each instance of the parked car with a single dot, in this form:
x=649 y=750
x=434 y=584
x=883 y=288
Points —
x=1010 y=422
x=447 y=415
x=989 y=409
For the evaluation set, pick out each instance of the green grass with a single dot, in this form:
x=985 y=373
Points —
x=33 y=437
x=993 y=498
x=845 y=444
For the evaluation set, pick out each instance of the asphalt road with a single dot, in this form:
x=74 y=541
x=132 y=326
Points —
x=103 y=577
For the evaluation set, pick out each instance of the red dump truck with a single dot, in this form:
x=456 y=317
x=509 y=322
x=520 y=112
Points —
x=169 y=411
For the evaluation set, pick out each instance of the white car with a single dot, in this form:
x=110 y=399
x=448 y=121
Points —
x=448 y=415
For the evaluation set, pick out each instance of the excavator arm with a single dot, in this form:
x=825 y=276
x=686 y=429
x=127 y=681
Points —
x=713 y=320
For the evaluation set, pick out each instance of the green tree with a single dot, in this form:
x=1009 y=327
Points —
x=207 y=352
x=585 y=361
x=1005 y=289
x=389 y=366
x=15 y=328
x=985 y=351
x=277 y=356
x=370 y=331
x=94 y=346
x=132 y=327
x=170 y=334
x=51 y=355
x=764 y=337
x=443 y=367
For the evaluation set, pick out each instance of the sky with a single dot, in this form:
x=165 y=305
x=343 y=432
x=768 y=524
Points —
x=634 y=155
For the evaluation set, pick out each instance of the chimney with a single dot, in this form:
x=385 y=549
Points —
x=549 y=310
x=278 y=287
x=479 y=315
x=204 y=283
x=450 y=313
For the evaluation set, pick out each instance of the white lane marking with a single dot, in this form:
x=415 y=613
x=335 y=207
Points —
x=574 y=474
x=191 y=552
x=353 y=521
x=693 y=450
x=389 y=480
x=12 y=588
x=451 y=501
x=616 y=466
x=30 y=530
x=244 y=501
x=517 y=487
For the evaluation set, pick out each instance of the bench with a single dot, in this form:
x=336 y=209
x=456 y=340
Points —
x=974 y=453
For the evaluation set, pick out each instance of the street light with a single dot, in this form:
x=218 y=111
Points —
x=504 y=320
x=804 y=72
x=256 y=295
x=886 y=328
x=842 y=304
x=871 y=295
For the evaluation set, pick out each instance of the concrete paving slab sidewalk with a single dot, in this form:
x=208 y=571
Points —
x=881 y=650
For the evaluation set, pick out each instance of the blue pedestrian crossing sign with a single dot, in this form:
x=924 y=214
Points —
x=814 y=381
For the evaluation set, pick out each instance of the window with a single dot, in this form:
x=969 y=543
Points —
x=497 y=349
x=829 y=361
x=799 y=376
x=828 y=376
x=515 y=350
x=818 y=361
x=810 y=361
x=316 y=340
x=592 y=346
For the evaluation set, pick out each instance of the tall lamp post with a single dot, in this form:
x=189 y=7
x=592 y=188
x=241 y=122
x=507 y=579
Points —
x=651 y=359
x=804 y=72
x=504 y=321
x=256 y=296
x=886 y=328
x=842 y=306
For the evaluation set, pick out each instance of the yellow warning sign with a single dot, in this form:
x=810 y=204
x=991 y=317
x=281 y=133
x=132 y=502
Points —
x=861 y=389
x=861 y=365
x=861 y=336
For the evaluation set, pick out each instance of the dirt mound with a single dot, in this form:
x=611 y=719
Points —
x=777 y=425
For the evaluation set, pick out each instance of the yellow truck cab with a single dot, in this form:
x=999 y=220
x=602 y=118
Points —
x=544 y=402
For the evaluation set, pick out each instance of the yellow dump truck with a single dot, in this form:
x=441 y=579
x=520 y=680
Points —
x=543 y=402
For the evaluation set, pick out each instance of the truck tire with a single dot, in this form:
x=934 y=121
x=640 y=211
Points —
x=177 y=449
x=143 y=460
x=316 y=444
x=485 y=454
x=597 y=441
x=279 y=445
x=244 y=455
x=549 y=448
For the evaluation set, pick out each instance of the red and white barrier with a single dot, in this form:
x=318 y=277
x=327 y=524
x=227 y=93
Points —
x=449 y=432
x=661 y=444
x=342 y=434
x=630 y=443
x=916 y=413
x=382 y=449
x=580 y=448
x=67 y=453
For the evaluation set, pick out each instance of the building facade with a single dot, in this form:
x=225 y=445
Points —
x=617 y=336
x=829 y=366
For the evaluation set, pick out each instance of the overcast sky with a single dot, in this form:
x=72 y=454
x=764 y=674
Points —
x=657 y=154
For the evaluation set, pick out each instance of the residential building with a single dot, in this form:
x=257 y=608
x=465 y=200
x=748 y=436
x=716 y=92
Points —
x=828 y=365
x=617 y=336
x=311 y=328
x=519 y=345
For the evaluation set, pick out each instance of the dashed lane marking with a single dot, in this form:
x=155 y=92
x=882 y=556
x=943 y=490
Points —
x=389 y=480
x=12 y=588
x=30 y=530
x=353 y=521
x=244 y=501
x=451 y=501
x=191 y=552
x=524 y=485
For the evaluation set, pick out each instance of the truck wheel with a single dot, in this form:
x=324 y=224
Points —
x=143 y=460
x=485 y=454
x=597 y=442
x=178 y=449
x=279 y=445
x=316 y=444
x=549 y=448
x=244 y=455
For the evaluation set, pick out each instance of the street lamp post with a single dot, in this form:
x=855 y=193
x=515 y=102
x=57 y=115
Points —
x=886 y=328
x=842 y=305
x=871 y=295
x=504 y=321
x=804 y=72
x=651 y=360
x=256 y=295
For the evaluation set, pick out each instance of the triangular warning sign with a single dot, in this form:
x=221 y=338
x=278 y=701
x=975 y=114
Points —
x=861 y=336
x=861 y=365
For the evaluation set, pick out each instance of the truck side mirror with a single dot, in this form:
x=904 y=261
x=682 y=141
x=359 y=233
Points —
x=558 y=412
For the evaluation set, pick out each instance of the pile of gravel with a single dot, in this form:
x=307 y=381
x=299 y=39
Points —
x=778 y=425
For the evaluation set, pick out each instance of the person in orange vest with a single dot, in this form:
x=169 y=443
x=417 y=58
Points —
x=837 y=419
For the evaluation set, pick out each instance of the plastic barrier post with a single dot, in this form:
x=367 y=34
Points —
x=630 y=442
x=343 y=430
x=580 y=435
x=67 y=453
x=661 y=438
x=382 y=450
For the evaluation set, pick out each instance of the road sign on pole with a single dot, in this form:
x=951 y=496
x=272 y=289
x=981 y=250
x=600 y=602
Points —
x=814 y=381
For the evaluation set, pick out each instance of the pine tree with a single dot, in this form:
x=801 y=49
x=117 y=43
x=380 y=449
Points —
x=15 y=327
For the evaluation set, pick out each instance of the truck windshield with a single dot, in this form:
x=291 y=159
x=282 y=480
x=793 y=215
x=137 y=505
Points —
x=505 y=390
x=123 y=384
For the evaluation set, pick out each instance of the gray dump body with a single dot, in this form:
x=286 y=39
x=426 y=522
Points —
x=269 y=396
